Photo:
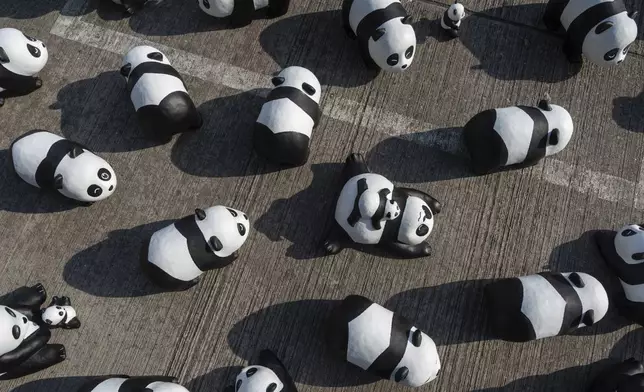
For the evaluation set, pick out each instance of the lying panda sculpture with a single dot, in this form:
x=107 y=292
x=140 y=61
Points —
x=627 y=376
x=132 y=384
x=269 y=375
x=60 y=314
x=241 y=12
x=21 y=57
x=544 y=305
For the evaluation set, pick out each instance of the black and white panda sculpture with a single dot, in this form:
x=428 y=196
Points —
x=382 y=342
x=50 y=162
x=177 y=255
x=544 y=305
x=269 y=375
x=602 y=30
x=627 y=376
x=371 y=211
x=451 y=20
x=286 y=121
x=158 y=93
x=384 y=32
x=516 y=136
x=60 y=314
x=21 y=57
x=241 y=12
x=132 y=384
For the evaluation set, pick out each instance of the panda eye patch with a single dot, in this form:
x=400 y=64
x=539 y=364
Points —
x=271 y=387
x=576 y=280
x=417 y=338
x=554 y=137
x=94 y=190
x=245 y=217
x=310 y=90
x=611 y=54
x=241 y=229
x=428 y=212
x=60 y=313
x=104 y=174
x=238 y=385
x=251 y=371
x=401 y=374
x=155 y=56
x=206 y=4
x=11 y=313
x=603 y=27
x=638 y=256
x=628 y=233
x=393 y=59
x=626 y=49
x=4 y=58
x=422 y=230
x=29 y=38
x=410 y=51
x=33 y=50
x=232 y=212
x=15 y=331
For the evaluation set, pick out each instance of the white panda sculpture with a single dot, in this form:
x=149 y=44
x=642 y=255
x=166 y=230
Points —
x=177 y=255
x=602 y=30
x=284 y=126
x=383 y=343
x=132 y=384
x=158 y=93
x=60 y=314
x=50 y=162
x=544 y=305
x=516 y=136
x=384 y=32
x=21 y=57
x=269 y=375
x=451 y=20
x=241 y=12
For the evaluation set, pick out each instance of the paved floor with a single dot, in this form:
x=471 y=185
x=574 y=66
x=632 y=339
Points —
x=279 y=291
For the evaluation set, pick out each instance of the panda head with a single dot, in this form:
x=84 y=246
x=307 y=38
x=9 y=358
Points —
x=21 y=54
x=225 y=229
x=560 y=127
x=593 y=296
x=417 y=221
x=217 y=8
x=608 y=43
x=392 y=45
x=139 y=55
x=162 y=386
x=300 y=78
x=456 y=11
x=420 y=364
x=53 y=315
x=258 y=379
x=629 y=244
x=14 y=328
x=85 y=177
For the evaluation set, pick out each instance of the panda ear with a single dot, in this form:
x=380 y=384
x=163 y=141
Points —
x=201 y=214
x=155 y=56
x=58 y=181
x=407 y=20
x=553 y=139
x=576 y=280
x=215 y=243
x=310 y=90
x=76 y=151
x=125 y=70
x=277 y=80
x=633 y=14
x=4 y=58
x=544 y=104
x=589 y=318
x=378 y=34
x=603 y=27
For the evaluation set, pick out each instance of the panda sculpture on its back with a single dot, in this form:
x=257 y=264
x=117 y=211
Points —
x=241 y=12
x=602 y=30
x=21 y=57
x=132 y=384
x=269 y=375
x=384 y=32
x=627 y=376
x=60 y=314
x=284 y=126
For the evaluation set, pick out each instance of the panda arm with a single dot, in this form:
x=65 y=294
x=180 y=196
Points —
x=23 y=352
x=72 y=324
x=420 y=250
x=47 y=356
x=552 y=16
x=25 y=297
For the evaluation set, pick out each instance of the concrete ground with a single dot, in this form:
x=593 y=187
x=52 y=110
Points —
x=277 y=294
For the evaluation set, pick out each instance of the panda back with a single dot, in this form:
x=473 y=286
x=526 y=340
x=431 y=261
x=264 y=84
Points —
x=109 y=385
x=362 y=8
x=152 y=88
x=576 y=8
x=168 y=250
x=29 y=151
x=515 y=127
x=543 y=304
x=284 y=115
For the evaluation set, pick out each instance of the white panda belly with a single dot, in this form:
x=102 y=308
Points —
x=362 y=8
x=542 y=305
x=283 y=115
x=369 y=335
x=515 y=127
x=151 y=88
x=29 y=152
x=168 y=250
x=109 y=385
x=575 y=8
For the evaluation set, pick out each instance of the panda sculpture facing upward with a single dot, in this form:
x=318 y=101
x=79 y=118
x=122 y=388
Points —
x=603 y=30
x=284 y=126
x=132 y=384
x=544 y=305
x=384 y=32
x=517 y=136
x=48 y=161
x=241 y=12
x=60 y=314
x=627 y=376
x=21 y=57
x=269 y=375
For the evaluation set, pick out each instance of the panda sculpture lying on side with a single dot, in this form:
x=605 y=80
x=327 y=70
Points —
x=60 y=314
x=21 y=57
x=241 y=12
x=269 y=375
x=544 y=305
x=133 y=384
x=627 y=376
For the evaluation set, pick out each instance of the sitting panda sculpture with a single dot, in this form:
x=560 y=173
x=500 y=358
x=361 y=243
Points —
x=21 y=57
x=544 y=305
x=50 y=162
x=371 y=211
x=602 y=30
x=284 y=126
x=132 y=384
x=60 y=314
x=516 y=136
x=177 y=255
x=627 y=376
x=383 y=343
x=269 y=375
x=452 y=17
x=241 y=12
x=384 y=32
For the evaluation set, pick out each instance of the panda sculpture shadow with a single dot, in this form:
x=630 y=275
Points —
x=426 y=28
x=215 y=380
x=631 y=344
x=628 y=112
x=59 y=384
x=28 y=9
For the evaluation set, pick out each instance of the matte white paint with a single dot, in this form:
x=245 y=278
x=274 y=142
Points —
x=423 y=362
x=627 y=246
x=413 y=217
x=542 y=305
x=593 y=296
x=21 y=60
x=7 y=321
x=56 y=314
x=259 y=381
x=369 y=335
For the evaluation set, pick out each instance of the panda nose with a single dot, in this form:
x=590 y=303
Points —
x=404 y=66
x=620 y=61
x=111 y=187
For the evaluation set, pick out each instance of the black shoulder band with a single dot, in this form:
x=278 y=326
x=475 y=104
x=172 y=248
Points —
x=300 y=99
x=539 y=140
x=584 y=23
x=448 y=22
x=375 y=19
x=47 y=168
x=572 y=313
x=13 y=82
x=386 y=362
x=354 y=217
x=151 y=67
x=380 y=212
x=198 y=248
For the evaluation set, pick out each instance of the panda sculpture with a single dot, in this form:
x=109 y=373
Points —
x=516 y=136
x=381 y=342
x=269 y=375
x=21 y=57
x=602 y=30
x=627 y=376
x=384 y=32
x=451 y=20
x=158 y=93
x=240 y=12
x=284 y=126
x=544 y=305
x=60 y=314
x=371 y=211
x=50 y=162
x=177 y=255
x=623 y=251
x=132 y=384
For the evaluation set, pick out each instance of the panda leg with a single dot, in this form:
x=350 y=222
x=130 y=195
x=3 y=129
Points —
x=27 y=296
x=47 y=356
x=552 y=16
x=410 y=251
x=366 y=56
x=573 y=55
x=161 y=278
x=336 y=240
x=277 y=8
x=197 y=122
x=346 y=9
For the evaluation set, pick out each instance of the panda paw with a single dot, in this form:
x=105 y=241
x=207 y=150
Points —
x=332 y=247
x=62 y=353
x=41 y=290
x=38 y=83
x=1 y=102
x=426 y=249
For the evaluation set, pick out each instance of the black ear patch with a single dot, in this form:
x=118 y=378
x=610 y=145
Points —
x=201 y=214
x=125 y=70
x=544 y=104
x=417 y=338
x=277 y=80
x=378 y=34
x=310 y=90
x=76 y=151
x=589 y=318
x=628 y=233
x=155 y=56
x=215 y=243
x=58 y=182
x=401 y=374
x=553 y=139
x=603 y=27
x=576 y=280
x=251 y=371
x=633 y=14
x=238 y=385
x=407 y=20
x=4 y=58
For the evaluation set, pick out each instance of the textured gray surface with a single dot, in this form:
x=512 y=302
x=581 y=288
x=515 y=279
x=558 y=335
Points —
x=278 y=292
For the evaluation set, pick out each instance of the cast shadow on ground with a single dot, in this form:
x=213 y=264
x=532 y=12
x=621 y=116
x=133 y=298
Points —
x=426 y=28
x=215 y=380
x=60 y=384
x=628 y=112
x=28 y=9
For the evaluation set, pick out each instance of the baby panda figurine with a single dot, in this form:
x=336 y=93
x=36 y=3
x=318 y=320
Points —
x=177 y=255
x=627 y=376
x=50 y=162
x=602 y=30
x=21 y=57
x=451 y=20
x=60 y=314
x=269 y=375
x=544 y=305
x=132 y=6
x=240 y=12
x=158 y=93
x=132 y=384
x=385 y=35
x=516 y=136
x=371 y=211
x=381 y=342
x=284 y=126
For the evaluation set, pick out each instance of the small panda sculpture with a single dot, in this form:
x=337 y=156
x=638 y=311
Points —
x=60 y=314
x=158 y=93
x=382 y=342
x=269 y=375
x=240 y=12
x=50 y=162
x=451 y=20
x=517 y=136
x=21 y=57
x=284 y=126
x=385 y=35
x=132 y=384
x=627 y=376
x=177 y=255
x=544 y=305
x=603 y=30
x=371 y=211
x=132 y=6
